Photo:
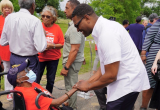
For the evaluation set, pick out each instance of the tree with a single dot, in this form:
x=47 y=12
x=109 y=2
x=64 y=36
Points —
x=146 y=11
x=151 y=2
x=41 y=3
x=121 y=9
x=155 y=8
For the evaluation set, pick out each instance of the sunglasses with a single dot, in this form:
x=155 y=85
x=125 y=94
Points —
x=48 y=17
x=77 y=25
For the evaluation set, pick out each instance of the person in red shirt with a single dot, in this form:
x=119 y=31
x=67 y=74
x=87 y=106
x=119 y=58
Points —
x=6 y=7
x=22 y=78
x=55 y=40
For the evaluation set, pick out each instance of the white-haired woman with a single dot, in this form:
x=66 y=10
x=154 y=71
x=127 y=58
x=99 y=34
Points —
x=55 y=40
x=6 y=7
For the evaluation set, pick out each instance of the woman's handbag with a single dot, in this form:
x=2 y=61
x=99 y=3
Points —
x=157 y=74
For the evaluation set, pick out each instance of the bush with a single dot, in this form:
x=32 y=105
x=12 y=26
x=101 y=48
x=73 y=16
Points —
x=61 y=14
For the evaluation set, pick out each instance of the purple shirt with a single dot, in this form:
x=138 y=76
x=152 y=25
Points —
x=135 y=31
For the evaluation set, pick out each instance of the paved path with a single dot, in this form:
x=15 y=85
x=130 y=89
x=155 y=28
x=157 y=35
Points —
x=83 y=104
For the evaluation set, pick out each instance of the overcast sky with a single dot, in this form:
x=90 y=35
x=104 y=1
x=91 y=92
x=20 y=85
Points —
x=63 y=4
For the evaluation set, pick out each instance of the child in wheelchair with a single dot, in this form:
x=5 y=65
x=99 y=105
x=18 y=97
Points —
x=22 y=78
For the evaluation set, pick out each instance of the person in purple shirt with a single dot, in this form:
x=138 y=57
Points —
x=135 y=31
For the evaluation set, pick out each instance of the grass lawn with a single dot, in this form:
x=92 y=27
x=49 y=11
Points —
x=63 y=23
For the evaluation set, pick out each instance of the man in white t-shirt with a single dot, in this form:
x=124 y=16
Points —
x=121 y=70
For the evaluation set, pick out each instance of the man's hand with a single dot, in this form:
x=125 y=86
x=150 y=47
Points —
x=82 y=86
x=144 y=59
x=64 y=72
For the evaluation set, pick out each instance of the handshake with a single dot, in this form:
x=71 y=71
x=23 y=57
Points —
x=82 y=85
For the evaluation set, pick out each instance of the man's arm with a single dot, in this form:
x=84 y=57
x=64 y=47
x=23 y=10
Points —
x=96 y=76
x=39 y=38
x=60 y=100
x=111 y=71
x=72 y=56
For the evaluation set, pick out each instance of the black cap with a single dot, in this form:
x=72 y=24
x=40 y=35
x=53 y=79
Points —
x=153 y=16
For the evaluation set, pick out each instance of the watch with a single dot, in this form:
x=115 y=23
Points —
x=54 y=46
x=66 y=68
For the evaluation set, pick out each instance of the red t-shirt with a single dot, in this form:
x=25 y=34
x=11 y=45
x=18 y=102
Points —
x=54 y=35
x=4 y=50
x=30 y=96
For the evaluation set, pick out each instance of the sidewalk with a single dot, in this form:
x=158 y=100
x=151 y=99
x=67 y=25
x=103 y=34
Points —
x=82 y=104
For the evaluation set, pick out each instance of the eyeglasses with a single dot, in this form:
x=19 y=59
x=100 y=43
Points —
x=77 y=25
x=48 y=17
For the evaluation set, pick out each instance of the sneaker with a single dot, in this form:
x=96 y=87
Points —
x=9 y=97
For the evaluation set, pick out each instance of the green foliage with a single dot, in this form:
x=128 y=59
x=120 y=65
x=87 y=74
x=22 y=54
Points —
x=121 y=9
x=146 y=11
x=41 y=3
x=155 y=8
x=61 y=14
x=16 y=5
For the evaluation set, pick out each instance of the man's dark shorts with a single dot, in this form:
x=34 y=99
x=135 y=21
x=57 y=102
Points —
x=124 y=103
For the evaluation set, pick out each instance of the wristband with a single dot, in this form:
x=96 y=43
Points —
x=67 y=95
x=54 y=46
x=66 y=68
x=143 y=55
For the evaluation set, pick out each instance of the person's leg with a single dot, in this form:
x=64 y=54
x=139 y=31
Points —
x=41 y=68
x=146 y=96
x=8 y=86
x=70 y=80
x=100 y=93
x=95 y=63
x=51 y=72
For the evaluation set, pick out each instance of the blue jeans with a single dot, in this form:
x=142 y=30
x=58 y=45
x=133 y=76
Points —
x=51 y=67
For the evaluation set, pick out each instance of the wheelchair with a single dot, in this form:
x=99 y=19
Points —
x=19 y=101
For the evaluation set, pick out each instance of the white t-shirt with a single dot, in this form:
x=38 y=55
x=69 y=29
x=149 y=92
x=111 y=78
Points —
x=115 y=44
